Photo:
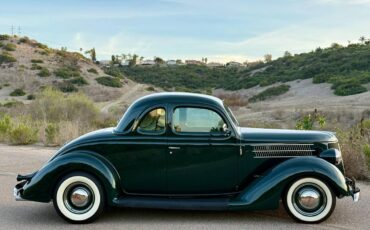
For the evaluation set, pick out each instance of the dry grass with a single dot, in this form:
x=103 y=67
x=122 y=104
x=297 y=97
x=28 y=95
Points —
x=233 y=99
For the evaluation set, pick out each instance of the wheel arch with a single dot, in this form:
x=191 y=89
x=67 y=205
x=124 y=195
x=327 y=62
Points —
x=266 y=191
x=50 y=174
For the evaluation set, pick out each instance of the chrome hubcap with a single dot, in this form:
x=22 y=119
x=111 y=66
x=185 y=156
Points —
x=309 y=199
x=80 y=197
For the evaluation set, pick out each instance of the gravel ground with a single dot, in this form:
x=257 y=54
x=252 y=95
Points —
x=30 y=215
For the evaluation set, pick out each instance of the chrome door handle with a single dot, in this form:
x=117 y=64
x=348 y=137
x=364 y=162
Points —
x=173 y=147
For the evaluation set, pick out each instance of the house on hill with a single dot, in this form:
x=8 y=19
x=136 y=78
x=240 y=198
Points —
x=234 y=64
x=214 y=64
x=193 y=62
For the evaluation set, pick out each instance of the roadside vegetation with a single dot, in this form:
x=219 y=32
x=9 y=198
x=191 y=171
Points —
x=52 y=118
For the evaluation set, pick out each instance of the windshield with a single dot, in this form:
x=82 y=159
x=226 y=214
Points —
x=236 y=123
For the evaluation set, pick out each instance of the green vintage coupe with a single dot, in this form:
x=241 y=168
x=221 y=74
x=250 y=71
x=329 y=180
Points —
x=187 y=151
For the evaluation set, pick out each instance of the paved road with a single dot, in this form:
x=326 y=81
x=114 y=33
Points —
x=30 y=215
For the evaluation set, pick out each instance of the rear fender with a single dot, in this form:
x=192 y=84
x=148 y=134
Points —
x=42 y=185
x=265 y=192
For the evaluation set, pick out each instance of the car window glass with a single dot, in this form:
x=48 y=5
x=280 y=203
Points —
x=197 y=120
x=153 y=121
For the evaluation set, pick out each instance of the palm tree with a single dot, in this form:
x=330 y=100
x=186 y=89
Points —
x=362 y=39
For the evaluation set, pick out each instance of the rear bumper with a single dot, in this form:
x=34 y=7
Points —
x=353 y=190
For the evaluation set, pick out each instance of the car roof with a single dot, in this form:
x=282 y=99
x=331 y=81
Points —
x=179 y=97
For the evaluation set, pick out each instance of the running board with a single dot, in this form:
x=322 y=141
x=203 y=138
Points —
x=174 y=203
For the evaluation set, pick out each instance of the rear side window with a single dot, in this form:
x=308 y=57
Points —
x=199 y=120
x=153 y=122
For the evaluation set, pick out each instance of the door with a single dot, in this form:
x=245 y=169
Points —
x=202 y=158
x=141 y=162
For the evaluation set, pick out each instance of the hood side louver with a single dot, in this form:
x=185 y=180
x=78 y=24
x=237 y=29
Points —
x=282 y=150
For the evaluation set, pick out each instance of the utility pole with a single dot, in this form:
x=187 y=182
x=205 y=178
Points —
x=19 y=31
x=12 y=29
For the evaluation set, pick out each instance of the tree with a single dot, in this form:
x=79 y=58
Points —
x=287 y=54
x=158 y=60
x=267 y=57
x=92 y=54
x=113 y=59
x=133 y=61
x=205 y=60
x=63 y=48
x=362 y=39
x=178 y=61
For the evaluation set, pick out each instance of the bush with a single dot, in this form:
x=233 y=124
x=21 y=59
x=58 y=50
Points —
x=92 y=70
x=4 y=37
x=66 y=87
x=109 y=81
x=51 y=132
x=36 y=67
x=308 y=122
x=12 y=103
x=150 y=88
x=1 y=44
x=9 y=47
x=67 y=72
x=5 y=57
x=270 y=92
x=36 y=61
x=24 y=40
x=17 y=92
x=31 y=97
x=5 y=126
x=78 y=81
x=349 y=89
x=44 y=72
x=23 y=134
x=113 y=71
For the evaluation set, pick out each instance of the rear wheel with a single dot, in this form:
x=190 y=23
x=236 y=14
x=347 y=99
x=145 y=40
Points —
x=79 y=198
x=309 y=200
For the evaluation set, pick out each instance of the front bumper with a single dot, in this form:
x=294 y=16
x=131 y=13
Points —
x=18 y=190
x=353 y=190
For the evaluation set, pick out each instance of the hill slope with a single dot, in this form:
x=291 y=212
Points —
x=345 y=68
x=29 y=66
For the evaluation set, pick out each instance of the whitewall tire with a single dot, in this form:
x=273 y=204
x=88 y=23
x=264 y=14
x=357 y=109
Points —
x=309 y=200
x=79 y=198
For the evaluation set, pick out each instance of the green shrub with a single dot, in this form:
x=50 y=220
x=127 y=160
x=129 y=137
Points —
x=6 y=85
x=17 y=92
x=12 y=103
x=309 y=121
x=113 y=71
x=24 y=40
x=5 y=126
x=4 y=37
x=66 y=87
x=270 y=92
x=92 y=70
x=67 y=72
x=78 y=81
x=150 y=88
x=5 y=57
x=9 y=47
x=23 y=134
x=109 y=81
x=44 y=72
x=31 y=97
x=36 y=67
x=1 y=44
x=37 y=61
x=51 y=132
x=349 y=89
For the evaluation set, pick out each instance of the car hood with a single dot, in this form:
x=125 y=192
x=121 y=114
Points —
x=97 y=135
x=285 y=135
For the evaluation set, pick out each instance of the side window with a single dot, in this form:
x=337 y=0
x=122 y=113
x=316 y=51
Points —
x=186 y=119
x=153 y=122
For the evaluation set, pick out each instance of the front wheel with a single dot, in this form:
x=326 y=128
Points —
x=309 y=200
x=79 y=198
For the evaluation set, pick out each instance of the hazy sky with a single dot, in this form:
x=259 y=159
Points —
x=189 y=29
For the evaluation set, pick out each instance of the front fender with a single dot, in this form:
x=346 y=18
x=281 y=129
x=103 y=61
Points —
x=42 y=184
x=265 y=192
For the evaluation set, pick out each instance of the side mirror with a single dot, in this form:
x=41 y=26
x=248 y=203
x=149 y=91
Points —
x=226 y=130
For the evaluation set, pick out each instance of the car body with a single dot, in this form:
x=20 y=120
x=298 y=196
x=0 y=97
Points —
x=187 y=151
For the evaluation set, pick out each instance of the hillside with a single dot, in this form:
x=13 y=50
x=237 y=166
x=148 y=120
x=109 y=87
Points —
x=347 y=69
x=26 y=66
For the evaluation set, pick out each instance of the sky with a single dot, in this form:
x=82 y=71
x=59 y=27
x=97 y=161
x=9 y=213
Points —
x=221 y=30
